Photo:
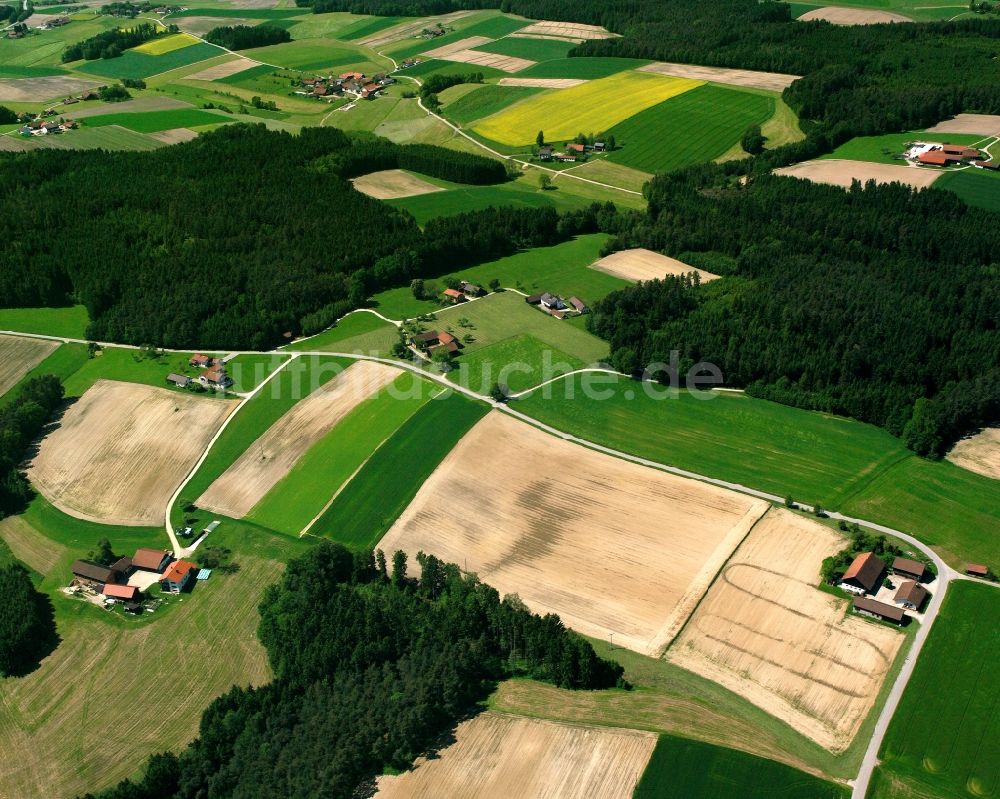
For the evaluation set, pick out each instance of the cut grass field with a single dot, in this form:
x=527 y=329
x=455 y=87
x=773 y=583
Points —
x=684 y=769
x=315 y=54
x=944 y=739
x=359 y=333
x=155 y=121
x=459 y=199
x=141 y=65
x=373 y=499
x=367 y=26
x=531 y=49
x=584 y=68
x=700 y=125
x=111 y=137
x=69 y=322
x=973 y=186
x=484 y=101
x=590 y=107
x=305 y=491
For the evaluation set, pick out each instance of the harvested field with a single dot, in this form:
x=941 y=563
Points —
x=979 y=453
x=839 y=172
x=462 y=44
x=34 y=551
x=838 y=15
x=567 y=30
x=770 y=81
x=546 y=37
x=612 y=547
x=226 y=69
x=174 y=135
x=982 y=124
x=640 y=264
x=497 y=756
x=409 y=29
x=391 y=184
x=131 y=106
x=28 y=90
x=18 y=355
x=121 y=450
x=505 y=63
x=542 y=83
x=273 y=455
x=766 y=632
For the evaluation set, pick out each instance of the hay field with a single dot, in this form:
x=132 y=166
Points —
x=770 y=81
x=406 y=30
x=224 y=70
x=273 y=455
x=174 y=135
x=979 y=453
x=166 y=44
x=497 y=756
x=590 y=107
x=766 y=632
x=35 y=551
x=982 y=124
x=641 y=264
x=838 y=15
x=18 y=355
x=505 y=63
x=462 y=44
x=567 y=30
x=838 y=172
x=542 y=83
x=121 y=450
x=391 y=184
x=27 y=90
x=612 y=547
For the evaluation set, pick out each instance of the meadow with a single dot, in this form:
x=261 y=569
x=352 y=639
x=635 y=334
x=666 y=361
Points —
x=315 y=54
x=681 y=768
x=484 y=101
x=250 y=370
x=140 y=65
x=306 y=490
x=583 y=68
x=68 y=322
x=435 y=66
x=359 y=333
x=367 y=26
x=698 y=126
x=590 y=107
x=974 y=187
x=62 y=363
x=532 y=49
x=155 y=121
x=490 y=24
x=530 y=361
x=460 y=199
x=889 y=148
x=369 y=504
x=944 y=739
x=165 y=44
x=111 y=137
x=247 y=76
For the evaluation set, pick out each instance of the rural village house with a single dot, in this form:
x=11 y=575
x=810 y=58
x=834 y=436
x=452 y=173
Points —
x=864 y=574
x=910 y=595
x=178 y=575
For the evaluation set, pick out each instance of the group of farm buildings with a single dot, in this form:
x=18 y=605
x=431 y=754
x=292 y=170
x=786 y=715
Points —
x=213 y=374
x=122 y=581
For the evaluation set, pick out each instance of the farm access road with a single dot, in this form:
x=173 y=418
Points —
x=945 y=573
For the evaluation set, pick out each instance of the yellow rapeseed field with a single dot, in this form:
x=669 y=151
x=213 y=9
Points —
x=166 y=44
x=588 y=108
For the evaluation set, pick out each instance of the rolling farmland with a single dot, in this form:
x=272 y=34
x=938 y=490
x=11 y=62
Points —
x=484 y=101
x=165 y=44
x=973 y=186
x=699 y=125
x=18 y=356
x=532 y=49
x=591 y=107
x=155 y=121
x=944 y=740
x=361 y=333
x=582 y=68
x=141 y=65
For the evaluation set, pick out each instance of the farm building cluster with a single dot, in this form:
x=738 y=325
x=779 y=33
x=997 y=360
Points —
x=354 y=84
x=212 y=375
x=45 y=127
x=127 y=580
x=944 y=155
x=572 y=151
x=879 y=598
x=556 y=306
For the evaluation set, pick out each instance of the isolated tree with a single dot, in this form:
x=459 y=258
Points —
x=104 y=554
x=417 y=287
x=540 y=139
x=380 y=565
x=398 y=568
x=818 y=510
x=753 y=140
x=499 y=392
x=789 y=501
x=495 y=284
x=544 y=181
x=610 y=142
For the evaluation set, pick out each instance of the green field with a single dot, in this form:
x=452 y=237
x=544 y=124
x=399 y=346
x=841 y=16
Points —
x=485 y=100
x=253 y=13
x=944 y=739
x=139 y=65
x=974 y=186
x=304 y=492
x=518 y=362
x=584 y=68
x=249 y=371
x=531 y=49
x=434 y=66
x=684 y=769
x=358 y=333
x=69 y=322
x=246 y=76
x=918 y=10
x=698 y=126
x=889 y=148
x=13 y=71
x=312 y=54
x=368 y=26
x=425 y=207
x=155 y=121
x=62 y=363
x=107 y=138
x=370 y=503
x=493 y=26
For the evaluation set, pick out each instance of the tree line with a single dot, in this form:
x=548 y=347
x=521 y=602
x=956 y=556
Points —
x=111 y=44
x=243 y=37
x=879 y=303
x=371 y=666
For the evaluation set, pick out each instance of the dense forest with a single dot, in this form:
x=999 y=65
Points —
x=879 y=303
x=27 y=622
x=232 y=239
x=112 y=43
x=243 y=37
x=371 y=669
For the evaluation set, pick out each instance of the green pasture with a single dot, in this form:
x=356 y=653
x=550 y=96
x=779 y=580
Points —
x=315 y=54
x=45 y=48
x=975 y=187
x=250 y=370
x=253 y=13
x=140 y=65
x=368 y=26
x=358 y=333
x=583 y=68
x=531 y=49
x=918 y=10
x=489 y=24
x=369 y=504
x=681 y=768
x=304 y=492
x=61 y=362
x=889 y=148
x=68 y=322
x=460 y=199
x=698 y=126
x=155 y=121
x=944 y=739
x=13 y=71
x=434 y=66
x=247 y=75
x=518 y=362
x=111 y=137
x=485 y=100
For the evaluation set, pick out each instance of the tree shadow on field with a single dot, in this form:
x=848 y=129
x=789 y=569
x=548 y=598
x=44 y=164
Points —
x=44 y=640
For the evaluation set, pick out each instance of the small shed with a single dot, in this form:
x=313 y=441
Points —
x=578 y=305
x=179 y=380
x=878 y=610
x=977 y=570
x=454 y=295
x=127 y=593
x=913 y=569
x=152 y=560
